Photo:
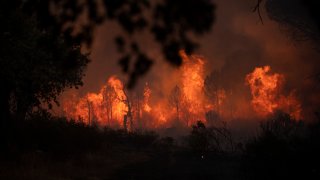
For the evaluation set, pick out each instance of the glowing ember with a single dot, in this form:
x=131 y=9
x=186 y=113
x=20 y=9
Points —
x=266 y=93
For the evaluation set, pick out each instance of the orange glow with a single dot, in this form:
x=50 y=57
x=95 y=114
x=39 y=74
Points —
x=110 y=105
x=146 y=95
x=187 y=100
x=92 y=107
x=192 y=81
x=266 y=89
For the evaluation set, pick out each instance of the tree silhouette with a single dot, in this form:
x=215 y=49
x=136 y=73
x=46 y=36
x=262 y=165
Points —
x=169 y=22
x=40 y=42
x=176 y=99
x=109 y=96
x=300 y=18
x=212 y=89
x=129 y=113
x=36 y=64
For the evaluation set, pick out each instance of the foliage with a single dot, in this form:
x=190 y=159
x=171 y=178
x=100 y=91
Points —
x=213 y=139
x=168 y=21
x=36 y=64
x=61 y=137
x=176 y=99
x=285 y=148
x=301 y=19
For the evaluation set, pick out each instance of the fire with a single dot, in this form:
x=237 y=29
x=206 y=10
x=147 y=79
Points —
x=193 y=87
x=266 y=91
x=118 y=106
x=146 y=95
x=101 y=108
x=194 y=96
x=114 y=106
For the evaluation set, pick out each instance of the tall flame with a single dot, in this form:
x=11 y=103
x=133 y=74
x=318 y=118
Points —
x=266 y=91
x=193 y=97
x=95 y=108
x=146 y=95
x=110 y=105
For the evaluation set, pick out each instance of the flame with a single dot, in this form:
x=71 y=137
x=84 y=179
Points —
x=193 y=97
x=93 y=107
x=111 y=104
x=192 y=87
x=266 y=93
x=118 y=106
x=146 y=95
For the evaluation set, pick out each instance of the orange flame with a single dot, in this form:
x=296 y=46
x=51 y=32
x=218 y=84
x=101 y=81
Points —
x=146 y=95
x=192 y=87
x=193 y=98
x=92 y=108
x=266 y=93
x=110 y=104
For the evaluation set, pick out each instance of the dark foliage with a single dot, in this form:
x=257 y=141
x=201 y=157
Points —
x=301 y=18
x=62 y=138
x=47 y=146
x=169 y=22
x=36 y=64
x=214 y=139
x=286 y=149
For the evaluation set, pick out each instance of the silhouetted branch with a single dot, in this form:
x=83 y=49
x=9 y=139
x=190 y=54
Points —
x=257 y=9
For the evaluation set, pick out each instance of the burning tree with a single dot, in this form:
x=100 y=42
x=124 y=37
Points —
x=129 y=113
x=90 y=111
x=213 y=91
x=175 y=100
x=109 y=96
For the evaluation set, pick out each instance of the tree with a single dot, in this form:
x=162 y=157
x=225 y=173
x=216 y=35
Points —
x=36 y=64
x=175 y=100
x=213 y=90
x=129 y=113
x=41 y=42
x=137 y=104
x=109 y=96
x=301 y=18
x=169 y=22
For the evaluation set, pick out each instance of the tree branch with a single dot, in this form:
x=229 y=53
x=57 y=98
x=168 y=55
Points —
x=257 y=9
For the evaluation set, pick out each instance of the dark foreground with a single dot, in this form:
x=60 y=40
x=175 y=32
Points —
x=56 y=149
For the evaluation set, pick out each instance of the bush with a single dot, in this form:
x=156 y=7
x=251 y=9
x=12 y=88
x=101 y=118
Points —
x=285 y=148
x=213 y=139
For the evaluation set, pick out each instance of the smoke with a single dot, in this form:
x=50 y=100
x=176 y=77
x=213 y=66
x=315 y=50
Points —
x=238 y=44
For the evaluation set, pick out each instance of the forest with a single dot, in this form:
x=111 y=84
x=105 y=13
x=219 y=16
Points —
x=163 y=89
